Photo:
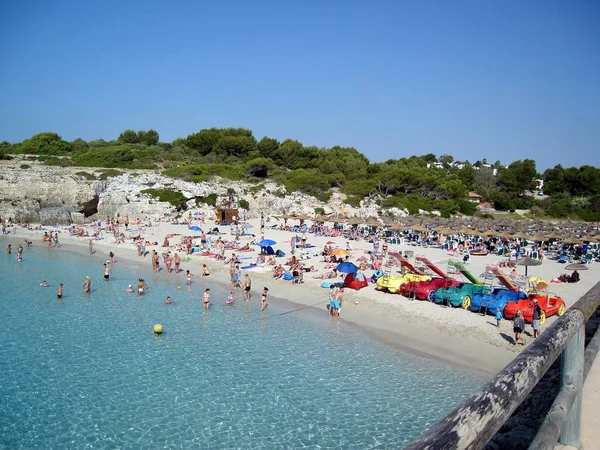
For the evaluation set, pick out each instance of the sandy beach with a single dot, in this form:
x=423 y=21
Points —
x=452 y=335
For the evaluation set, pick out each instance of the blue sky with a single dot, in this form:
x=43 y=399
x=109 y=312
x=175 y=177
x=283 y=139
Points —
x=502 y=80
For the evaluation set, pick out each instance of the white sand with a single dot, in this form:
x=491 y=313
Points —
x=453 y=335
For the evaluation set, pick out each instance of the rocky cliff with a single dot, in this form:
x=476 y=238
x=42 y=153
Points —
x=33 y=192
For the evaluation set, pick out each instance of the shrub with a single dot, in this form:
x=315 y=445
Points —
x=319 y=211
x=105 y=174
x=175 y=198
x=242 y=203
x=86 y=175
x=210 y=200
x=25 y=166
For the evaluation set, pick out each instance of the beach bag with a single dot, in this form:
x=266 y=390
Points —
x=279 y=253
x=288 y=276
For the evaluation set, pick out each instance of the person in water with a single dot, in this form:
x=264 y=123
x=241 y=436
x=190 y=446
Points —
x=87 y=285
x=263 y=298
x=230 y=298
x=106 y=272
x=59 y=291
x=168 y=301
x=206 y=298
x=44 y=283
x=129 y=288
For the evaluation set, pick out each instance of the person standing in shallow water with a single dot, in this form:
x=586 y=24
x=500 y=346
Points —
x=247 y=287
x=59 y=291
x=87 y=285
x=263 y=298
x=91 y=247
x=206 y=298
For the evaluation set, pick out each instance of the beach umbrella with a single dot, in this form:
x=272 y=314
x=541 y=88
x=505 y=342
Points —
x=340 y=252
x=247 y=225
x=266 y=243
x=527 y=261
x=347 y=267
x=198 y=214
x=577 y=266
x=195 y=228
x=329 y=243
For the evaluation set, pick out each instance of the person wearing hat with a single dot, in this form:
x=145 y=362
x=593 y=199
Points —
x=535 y=322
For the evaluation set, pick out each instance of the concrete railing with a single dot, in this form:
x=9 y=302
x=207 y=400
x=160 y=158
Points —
x=476 y=421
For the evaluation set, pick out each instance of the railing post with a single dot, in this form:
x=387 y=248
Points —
x=572 y=361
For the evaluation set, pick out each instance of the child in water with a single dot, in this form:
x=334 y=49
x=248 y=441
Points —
x=230 y=299
x=44 y=283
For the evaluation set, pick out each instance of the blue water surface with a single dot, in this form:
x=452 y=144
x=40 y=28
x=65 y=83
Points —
x=88 y=372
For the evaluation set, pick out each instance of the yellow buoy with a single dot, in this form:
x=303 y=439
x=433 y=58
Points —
x=158 y=329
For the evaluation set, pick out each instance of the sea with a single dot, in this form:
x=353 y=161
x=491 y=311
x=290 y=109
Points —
x=87 y=371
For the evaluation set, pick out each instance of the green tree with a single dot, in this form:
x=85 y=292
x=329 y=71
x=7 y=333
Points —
x=79 y=145
x=129 y=137
x=554 y=180
x=44 y=144
x=518 y=177
x=150 y=137
x=267 y=147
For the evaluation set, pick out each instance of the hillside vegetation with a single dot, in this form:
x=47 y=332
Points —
x=235 y=154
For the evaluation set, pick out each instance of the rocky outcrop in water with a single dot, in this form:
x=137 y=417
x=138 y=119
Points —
x=32 y=192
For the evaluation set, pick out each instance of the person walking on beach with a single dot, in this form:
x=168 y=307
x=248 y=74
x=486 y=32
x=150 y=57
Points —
x=498 y=317
x=59 y=291
x=155 y=261
x=518 y=327
x=535 y=322
x=206 y=298
x=87 y=285
x=247 y=287
x=262 y=222
x=91 y=247
x=263 y=298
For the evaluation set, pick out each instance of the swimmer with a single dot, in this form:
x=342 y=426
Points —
x=44 y=283
x=129 y=288
x=206 y=298
x=59 y=291
x=230 y=300
x=168 y=301
x=87 y=285
x=263 y=298
x=9 y=249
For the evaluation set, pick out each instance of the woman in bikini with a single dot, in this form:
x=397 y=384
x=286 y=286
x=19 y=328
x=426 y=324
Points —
x=206 y=298
x=263 y=298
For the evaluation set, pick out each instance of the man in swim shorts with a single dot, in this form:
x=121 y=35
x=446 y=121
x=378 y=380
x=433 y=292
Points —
x=247 y=286
x=59 y=291
x=206 y=298
x=106 y=272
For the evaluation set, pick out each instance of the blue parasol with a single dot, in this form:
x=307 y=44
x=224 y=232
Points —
x=195 y=228
x=266 y=243
x=347 y=267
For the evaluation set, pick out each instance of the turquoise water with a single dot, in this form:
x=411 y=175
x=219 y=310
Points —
x=88 y=372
